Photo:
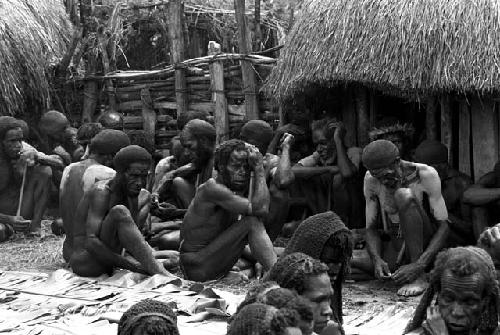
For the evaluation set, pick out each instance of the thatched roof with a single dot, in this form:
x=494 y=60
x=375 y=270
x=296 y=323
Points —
x=401 y=46
x=33 y=36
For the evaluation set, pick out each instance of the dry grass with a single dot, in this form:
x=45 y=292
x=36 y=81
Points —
x=33 y=254
x=33 y=36
x=405 y=47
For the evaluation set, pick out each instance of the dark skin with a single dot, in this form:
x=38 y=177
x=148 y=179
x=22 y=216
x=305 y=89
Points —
x=212 y=220
x=413 y=220
x=13 y=162
x=320 y=293
x=109 y=230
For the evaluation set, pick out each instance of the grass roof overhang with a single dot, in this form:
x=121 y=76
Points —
x=405 y=47
x=33 y=36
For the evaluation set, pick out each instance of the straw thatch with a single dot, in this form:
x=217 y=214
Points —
x=403 y=46
x=33 y=36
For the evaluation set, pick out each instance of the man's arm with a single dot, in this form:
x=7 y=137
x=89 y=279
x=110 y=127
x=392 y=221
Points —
x=97 y=209
x=165 y=180
x=308 y=167
x=483 y=192
x=346 y=167
x=284 y=175
x=431 y=183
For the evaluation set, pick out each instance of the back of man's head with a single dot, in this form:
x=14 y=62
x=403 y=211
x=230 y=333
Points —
x=131 y=154
x=149 y=317
x=53 y=123
x=109 y=142
x=200 y=130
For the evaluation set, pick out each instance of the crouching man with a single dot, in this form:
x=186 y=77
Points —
x=221 y=220
x=114 y=212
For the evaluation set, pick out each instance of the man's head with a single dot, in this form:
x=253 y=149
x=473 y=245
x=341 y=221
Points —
x=231 y=162
x=464 y=280
x=132 y=165
x=87 y=131
x=322 y=137
x=184 y=118
x=258 y=133
x=178 y=151
x=148 y=317
x=53 y=124
x=392 y=130
x=309 y=278
x=435 y=154
x=111 y=120
x=381 y=158
x=198 y=138
x=106 y=144
x=11 y=135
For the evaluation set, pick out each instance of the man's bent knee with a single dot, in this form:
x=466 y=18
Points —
x=119 y=212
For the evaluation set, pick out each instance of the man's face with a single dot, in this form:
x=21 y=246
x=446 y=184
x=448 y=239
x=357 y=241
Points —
x=197 y=151
x=238 y=171
x=324 y=147
x=12 y=143
x=329 y=257
x=390 y=175
x=397 y=139
x=136 y=178
x=319 y=292
x=461 y=301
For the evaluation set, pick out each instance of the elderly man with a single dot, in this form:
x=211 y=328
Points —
x=464 y=284
x=103 y=148
x=20 y=175
x=113 y=213
x=225 y=215
x=398 y=187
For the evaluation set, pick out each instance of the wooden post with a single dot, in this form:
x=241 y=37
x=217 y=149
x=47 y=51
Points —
x=349 y=116
x=221 y=117
x=248 y=73
x=464 y=138
x=373 y=109
x=446 y=125
x=363 y=115
x=484 y=143
x=148 y=114
x=258 y=32
x=430 y=118
x=177 y=52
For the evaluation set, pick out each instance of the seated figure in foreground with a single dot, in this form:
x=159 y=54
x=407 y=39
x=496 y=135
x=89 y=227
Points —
x=148 y=317
x=453 y=185
x=226 y=214
x=113 y=213
x=103 y=148
x=325 y=237
x=309 y=278
x=17 y=169
x=464 y=284
x=413 y=236
x=484 y=197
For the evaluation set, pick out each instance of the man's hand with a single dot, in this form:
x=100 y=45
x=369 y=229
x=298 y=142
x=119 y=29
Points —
x=28 y=157
x=287 y=141
x=489 y=240
x=255 y=159
x=381 y=269
x=434 y=324
x=408 y=273
x=340 y=133
x=20 y=224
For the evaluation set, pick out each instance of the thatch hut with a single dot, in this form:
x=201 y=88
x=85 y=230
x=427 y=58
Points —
x=33 y=37
x=434 y=61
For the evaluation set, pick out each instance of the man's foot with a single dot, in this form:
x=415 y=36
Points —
x=234 y=278
x=414 y=288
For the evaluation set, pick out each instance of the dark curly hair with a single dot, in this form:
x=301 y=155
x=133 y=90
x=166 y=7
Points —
x=462 y=261
x=223 y=152
x=293 y=270
x=152 y=317
x=8 y=123
x=201 y=130
x=87 y=131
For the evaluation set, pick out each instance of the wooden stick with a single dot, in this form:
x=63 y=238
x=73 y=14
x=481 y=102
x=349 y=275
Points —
x=21 y=191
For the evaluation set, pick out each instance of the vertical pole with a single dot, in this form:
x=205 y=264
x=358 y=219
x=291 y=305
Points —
x=148 y=115
x=258 y=32
x=484 y=143
x=363 y=111
x=221 y=117
x=464 y=138
x=177 y=52
x=430 y=119
x=447 y=125
x=248 y=73
x=373 y=109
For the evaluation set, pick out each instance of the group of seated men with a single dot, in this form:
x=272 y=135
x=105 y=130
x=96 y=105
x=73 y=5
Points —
x=214 y=210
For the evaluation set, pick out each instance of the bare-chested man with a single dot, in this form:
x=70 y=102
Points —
x=103 y=148
x=398 y=187
x=113 y=213
x=212 y=234
x=14 y=159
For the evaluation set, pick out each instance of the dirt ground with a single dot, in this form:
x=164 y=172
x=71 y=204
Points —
x=45 y=255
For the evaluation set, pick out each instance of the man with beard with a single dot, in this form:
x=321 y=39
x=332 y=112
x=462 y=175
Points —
x=325 y=176
x=102 y=149
x=113 y=213
x=221 y=219
x=18 y=169
x=397 y=187
x=464 y=285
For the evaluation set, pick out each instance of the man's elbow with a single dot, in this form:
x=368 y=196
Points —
x=468 y=197
x=347 y=173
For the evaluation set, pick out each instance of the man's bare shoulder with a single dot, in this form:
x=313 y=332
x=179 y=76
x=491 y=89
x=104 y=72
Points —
x=426 y=171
